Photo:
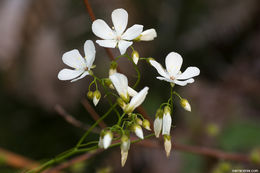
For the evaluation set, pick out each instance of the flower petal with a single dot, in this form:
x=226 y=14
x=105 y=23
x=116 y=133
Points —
x=120 y=20
x=131 y=92
x=165 y=79
x=148 y=35
x=159 y=68
x=173 y=63
x=189 y=73
x=183 y=83
x=102 y=30
x=73 y=59
x=138 y=99
x=157 y=124
x=90 y=53
x=107 y=43
x=167 y=123
x=121 y=83
x=82 y=76
x=132 y=32
x=123 y=45
x=68 y=74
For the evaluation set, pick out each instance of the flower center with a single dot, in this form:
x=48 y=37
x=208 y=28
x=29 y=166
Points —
x=118 y=38
x=172 y=77
x=86 y=68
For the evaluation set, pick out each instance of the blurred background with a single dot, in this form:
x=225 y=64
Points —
x=220 y=37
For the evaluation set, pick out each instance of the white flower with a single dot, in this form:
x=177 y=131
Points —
x=167 y=144
x=125 y=145
x=75 y=60
x=147 y=35
x=138 y=131
x=172 y=74
x=120 y=82
x=105 y=139
x=137 y=100
x=117 y=36
x=167 y=121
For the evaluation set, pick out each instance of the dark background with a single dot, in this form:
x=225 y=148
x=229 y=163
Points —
x=220 y=37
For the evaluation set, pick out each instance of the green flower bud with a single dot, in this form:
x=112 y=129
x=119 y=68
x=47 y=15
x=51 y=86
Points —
x=90 y=95
x=185 y=104
x=146 y=124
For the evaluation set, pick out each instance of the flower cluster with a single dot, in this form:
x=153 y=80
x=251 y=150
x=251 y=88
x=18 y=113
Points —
x=127 y=98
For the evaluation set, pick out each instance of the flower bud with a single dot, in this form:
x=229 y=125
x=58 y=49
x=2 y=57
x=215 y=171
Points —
x=138 y=131
x=125 y=145
x=108 y=83
x=135 y=56
x=167 y=144
x=112 y=68
x=167 y=121
x=146 y=124
x=90 y=95
x=139 y=121
x=157 y=124
x=147 y=35
x=96 y=97
x=107 y=139
x=185 y=104
x=121 y=102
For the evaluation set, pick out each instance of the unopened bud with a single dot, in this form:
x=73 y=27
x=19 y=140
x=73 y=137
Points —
x=148 y=35
x=107 y=139
x=167 y=110
x=159 y=113
x=138 y=131
x=135 y=56
x=125 y=145
x=96 y=97
x=146 y=124
x=139 y=121
x=185 y=104
x=90 y=95
x=167 y=121
x=167 y=144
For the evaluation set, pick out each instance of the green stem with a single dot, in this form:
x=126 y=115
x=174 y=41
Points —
x=95 y=124
x=171 y=98
x=120 y=119
x=137 y=71
x=174 y=92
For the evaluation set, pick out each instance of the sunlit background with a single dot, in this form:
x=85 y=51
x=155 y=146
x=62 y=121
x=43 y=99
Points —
x=220 y=37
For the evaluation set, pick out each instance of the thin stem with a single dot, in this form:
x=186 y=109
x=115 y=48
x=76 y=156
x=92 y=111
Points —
x=95 y=124
x=137 y=71
x=120 y=119
x=177 y=95
x=171 y=98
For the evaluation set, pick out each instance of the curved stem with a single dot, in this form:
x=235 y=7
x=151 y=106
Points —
x=95 y=124
x=137 y=71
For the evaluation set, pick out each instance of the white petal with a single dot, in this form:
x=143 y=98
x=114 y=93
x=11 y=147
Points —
x=138 y=99
x=107 y=43
x=90 y=53
x=123 y=45
x=131 y=92
x=183 y=83
x=68 y=74
x=148 y=35
x=139 y=132
x=124 y=155
x=167 y=123
x=167 y=146
x=120 y=19
x=189 y=73
x=157 y=126
x=82 y=76
x=120 y=82
x=173 y=63
x=107 y=140
x=102 y=30
x=73 y=59
x=95 y=101
x=100 y=142
x=132 y=32
x=159 y=68
x=166 y=79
